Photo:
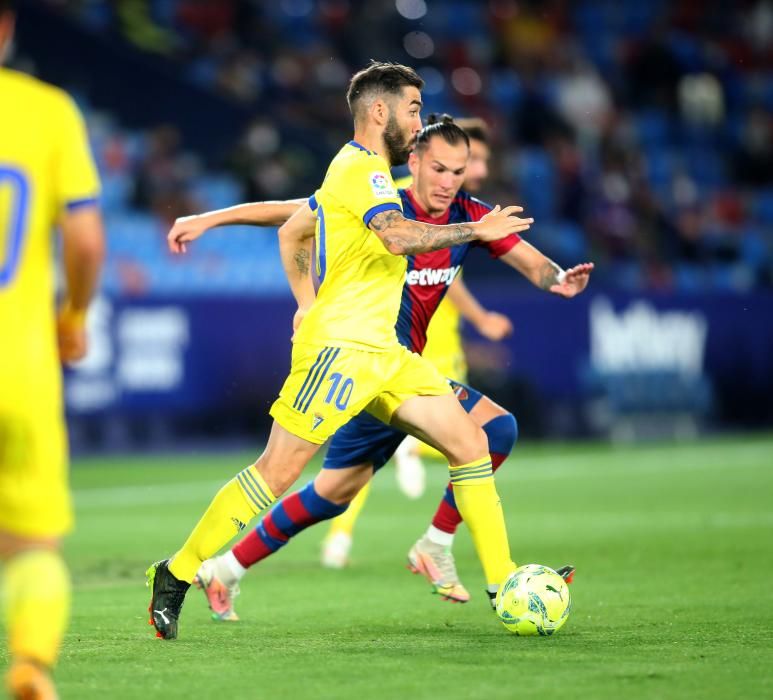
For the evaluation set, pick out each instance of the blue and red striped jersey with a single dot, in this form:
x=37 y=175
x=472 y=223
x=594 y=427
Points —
x=430 y=274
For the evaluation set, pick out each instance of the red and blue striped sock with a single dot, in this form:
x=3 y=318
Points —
x=502 y=433
x=286 y=519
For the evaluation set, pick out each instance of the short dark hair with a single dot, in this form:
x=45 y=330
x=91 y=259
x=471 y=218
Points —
x=475 y=128
x=379 y=78
x=444 y=127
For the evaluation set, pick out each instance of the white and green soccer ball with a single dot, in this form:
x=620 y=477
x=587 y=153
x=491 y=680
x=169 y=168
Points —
x=533 y=600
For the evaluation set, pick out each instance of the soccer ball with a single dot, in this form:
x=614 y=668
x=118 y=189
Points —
x=533 y=600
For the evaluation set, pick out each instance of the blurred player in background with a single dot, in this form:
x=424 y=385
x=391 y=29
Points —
x=346 y=355
x=444 y=349
x=47 y=177
x=364 y=445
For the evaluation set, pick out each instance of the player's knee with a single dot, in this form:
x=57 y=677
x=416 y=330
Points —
x=280 y=469
x=12 y=544
x=342 y=494
x=339 y=486
x=502 y=433
x=469 y=446
x=276 y=475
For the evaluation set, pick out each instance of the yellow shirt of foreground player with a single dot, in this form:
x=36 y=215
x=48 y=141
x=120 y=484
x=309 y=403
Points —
x=360 y=281
x=45 y=167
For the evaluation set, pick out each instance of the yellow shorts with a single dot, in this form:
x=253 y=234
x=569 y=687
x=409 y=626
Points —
x=328 y=386
x=34 y=485
x=449 y=364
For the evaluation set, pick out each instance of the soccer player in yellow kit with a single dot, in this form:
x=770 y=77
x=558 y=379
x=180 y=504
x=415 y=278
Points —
x=346 y=357
x=438 y=164
x=443 y=349
x=47 y=177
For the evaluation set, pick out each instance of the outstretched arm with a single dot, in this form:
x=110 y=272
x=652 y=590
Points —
x=402 y=236
x=189 y=228
x=295 y=246
x=489 y=324
x=542 y=272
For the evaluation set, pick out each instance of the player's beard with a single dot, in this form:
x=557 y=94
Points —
x=398 y=146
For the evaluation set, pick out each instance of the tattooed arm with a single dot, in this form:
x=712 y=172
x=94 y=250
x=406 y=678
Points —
x=189 y=228
x=402 y=236
x=542 y=272
x=295 y=243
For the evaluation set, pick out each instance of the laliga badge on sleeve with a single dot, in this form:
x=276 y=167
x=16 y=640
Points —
x=382 y=186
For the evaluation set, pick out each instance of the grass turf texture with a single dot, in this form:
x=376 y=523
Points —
x=672 y=597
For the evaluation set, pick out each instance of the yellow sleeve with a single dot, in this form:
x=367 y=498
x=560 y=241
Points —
x=366 y=188
x=77 y=181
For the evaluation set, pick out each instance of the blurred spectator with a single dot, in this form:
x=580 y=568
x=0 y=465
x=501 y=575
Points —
x=701 y=101
x=163 y=177
x=643 y=131
x=653 y=72
x=754 y=156
x=583 y=99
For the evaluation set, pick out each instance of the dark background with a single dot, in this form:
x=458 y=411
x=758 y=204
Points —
x=639 y=136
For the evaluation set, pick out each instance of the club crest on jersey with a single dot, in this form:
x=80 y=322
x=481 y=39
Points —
x=460 y=392
x=382 y=185
x=316 y=421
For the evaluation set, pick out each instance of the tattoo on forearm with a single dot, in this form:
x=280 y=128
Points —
x=385 y=219
x=302 y=261
x=412 y=237
x=548 y=275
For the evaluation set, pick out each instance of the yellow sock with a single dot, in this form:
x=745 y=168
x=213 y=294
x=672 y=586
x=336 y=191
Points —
x=238 y=502
x=345 y=522
x=37 y=602
x=478 y=502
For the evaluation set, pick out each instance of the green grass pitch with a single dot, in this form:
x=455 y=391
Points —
x=672 y=597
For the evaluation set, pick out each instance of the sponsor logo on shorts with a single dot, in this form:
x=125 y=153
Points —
x=316 y=421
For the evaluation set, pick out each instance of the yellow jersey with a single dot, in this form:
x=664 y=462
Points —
x=444 y=341
x=361 y=282
x=45 y=167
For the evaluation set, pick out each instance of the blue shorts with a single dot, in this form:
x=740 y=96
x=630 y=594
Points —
x=366 y=439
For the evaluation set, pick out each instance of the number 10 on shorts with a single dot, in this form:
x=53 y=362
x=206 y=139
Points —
x=340 y=390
